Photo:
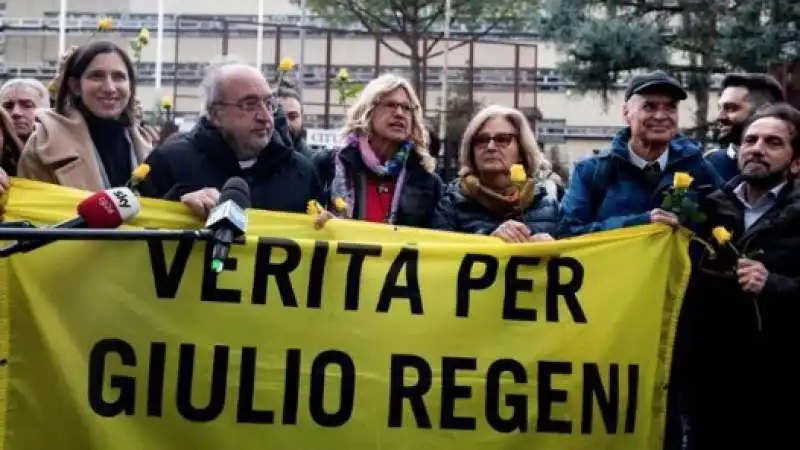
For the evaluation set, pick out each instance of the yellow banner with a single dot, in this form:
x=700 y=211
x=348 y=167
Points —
x=357 y=336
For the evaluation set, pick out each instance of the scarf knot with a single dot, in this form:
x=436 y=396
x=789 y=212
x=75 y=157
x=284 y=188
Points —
x=511 y=205
x=344 y=185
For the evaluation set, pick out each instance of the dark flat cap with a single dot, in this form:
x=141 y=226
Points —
x=655 y=82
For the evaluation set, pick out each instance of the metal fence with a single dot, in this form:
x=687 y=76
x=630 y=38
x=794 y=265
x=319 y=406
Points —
x=517 y=76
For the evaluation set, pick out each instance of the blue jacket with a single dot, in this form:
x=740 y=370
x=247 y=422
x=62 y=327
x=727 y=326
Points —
x=723 y=164
x=456 y=212
x=626 y=197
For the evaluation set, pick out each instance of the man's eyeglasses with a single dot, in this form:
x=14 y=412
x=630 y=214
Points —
x=250 y=105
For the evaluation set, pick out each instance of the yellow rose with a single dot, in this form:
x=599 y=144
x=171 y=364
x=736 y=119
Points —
x=144 y=36
x=339 y=204
x=682 y=180
x=721 y=235
x=105 y=24
x=166 y=103
x=343 y=74
x=286 y=65
x=517 y=173
x=313 y=208
x=141 y=171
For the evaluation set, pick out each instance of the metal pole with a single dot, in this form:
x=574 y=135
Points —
x=62 y=28
x=30 y=239
x=302 y=63
x=445 y=77
x=160 y=47
x=78 y=234
x=175 y=58
x=260 y=35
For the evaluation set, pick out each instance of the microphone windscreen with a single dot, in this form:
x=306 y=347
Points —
x=237 y=190
x=109 y=208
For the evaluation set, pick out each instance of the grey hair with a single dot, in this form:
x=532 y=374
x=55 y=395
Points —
x=210 y=83
x=529 y=152
x=29 y=83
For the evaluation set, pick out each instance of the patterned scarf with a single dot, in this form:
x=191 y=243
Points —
x=508 y=206
x=344 y=184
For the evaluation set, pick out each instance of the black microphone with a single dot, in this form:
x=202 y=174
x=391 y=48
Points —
x=228 y=220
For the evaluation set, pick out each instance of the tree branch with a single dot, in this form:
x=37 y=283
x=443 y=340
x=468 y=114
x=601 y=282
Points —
x=368 y=20
x=451 y=48
x=392 y=48
x=439 y=37
x=398 y=13
x=433 y=17
x=492 y=25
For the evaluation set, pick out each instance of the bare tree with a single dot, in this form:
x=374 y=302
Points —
x=418 y=22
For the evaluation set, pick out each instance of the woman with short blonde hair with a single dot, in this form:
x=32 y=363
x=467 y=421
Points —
x=384 y=172
x=487 y=200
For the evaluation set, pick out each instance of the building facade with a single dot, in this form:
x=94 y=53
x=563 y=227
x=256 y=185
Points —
x=577 y=123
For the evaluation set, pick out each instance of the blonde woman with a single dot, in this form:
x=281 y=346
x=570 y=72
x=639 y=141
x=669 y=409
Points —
x=485 y=201
x=384 y=172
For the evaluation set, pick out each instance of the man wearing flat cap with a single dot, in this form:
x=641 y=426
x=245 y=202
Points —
x=623 y=186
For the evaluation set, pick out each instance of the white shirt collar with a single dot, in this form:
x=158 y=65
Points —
x=641 y=163
x=247 y=163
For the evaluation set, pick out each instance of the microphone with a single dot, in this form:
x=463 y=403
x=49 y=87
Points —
x=105 y=209
x=228 y=220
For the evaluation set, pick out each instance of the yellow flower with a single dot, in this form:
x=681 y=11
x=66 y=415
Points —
x=682 y=180
x=517 y=173
x=141 y=171
x=144 y=35
x=343 y=74
x=721 y=235
x=105 y=24
x=166 y=102
x=286 y=65
x=339 y=204
x=313 y=208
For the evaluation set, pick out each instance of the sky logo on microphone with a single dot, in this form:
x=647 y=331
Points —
x=122 y=199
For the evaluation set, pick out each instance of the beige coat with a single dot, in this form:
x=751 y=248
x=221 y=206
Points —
x=61 y=152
